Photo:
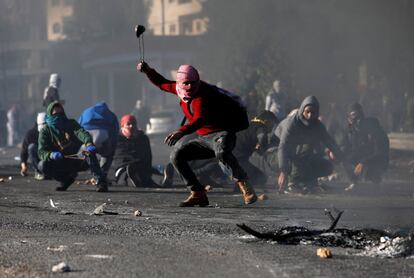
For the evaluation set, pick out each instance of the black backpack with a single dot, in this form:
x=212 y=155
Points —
x=236 y=121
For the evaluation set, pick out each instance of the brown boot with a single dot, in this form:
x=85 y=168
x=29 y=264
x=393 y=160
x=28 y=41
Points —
x=196 y=198
x=249 y=195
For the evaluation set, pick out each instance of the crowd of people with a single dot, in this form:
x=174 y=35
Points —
x=219 y=142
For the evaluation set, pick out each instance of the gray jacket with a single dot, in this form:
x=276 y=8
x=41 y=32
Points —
x=295 y=131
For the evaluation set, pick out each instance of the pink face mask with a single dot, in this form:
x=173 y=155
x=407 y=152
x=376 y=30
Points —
x=188 y=82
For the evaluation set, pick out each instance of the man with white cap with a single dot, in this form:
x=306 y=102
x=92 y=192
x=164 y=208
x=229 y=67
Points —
x=215 y=115
x=51 y=93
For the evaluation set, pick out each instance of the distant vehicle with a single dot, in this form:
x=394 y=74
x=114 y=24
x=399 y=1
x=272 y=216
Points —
x=164 y=122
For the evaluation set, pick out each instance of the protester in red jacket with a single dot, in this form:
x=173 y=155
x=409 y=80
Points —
x=210 y=114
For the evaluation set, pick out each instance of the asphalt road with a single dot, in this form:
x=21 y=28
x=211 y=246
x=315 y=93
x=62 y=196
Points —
x=168 y=241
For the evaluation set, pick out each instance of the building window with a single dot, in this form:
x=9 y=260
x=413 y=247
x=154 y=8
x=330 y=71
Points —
x=173 y=29
x=55 y=2
x=56 y=28
x=186 y=28
x=198 y=26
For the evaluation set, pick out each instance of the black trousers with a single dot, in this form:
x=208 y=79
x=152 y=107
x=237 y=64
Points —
x=66 y=169
x=219 y=145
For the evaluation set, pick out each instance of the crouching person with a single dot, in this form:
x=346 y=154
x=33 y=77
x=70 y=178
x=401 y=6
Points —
x=102 y=125
x=28 y=154
x=303 y=139
x=215 y=115
x=59 y=142
x=133 y=156
x=366 y=147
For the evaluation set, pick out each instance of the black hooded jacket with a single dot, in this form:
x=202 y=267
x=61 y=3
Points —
x=295 y=131
x=31 y=137
x=366 y=142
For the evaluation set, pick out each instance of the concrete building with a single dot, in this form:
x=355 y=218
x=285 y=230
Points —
x=177 y=17
x=58 y=13
x=24 y=53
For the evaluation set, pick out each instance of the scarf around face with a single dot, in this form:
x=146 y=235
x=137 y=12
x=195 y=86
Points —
x=129 y=130
x=187 y=73
x=56 y=122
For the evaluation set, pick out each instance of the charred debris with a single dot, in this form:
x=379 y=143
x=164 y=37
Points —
x=371 y=242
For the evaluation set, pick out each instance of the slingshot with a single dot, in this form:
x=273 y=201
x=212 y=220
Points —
x=139 y=32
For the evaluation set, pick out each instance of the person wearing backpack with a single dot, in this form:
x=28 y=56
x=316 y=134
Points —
x=215 y=115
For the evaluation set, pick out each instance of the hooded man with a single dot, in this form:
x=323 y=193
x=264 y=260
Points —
x=51 y=93
x=214 y=117
x=28 y=153
x=365 y=145
x=301 y=149
x=103 y=125
x=59 y=143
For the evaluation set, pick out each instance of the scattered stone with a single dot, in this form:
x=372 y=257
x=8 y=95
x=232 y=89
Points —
x=10 y=178
x=126 y=202
x=99 y=210
x=57 y=248
x=96 y=256
x=62 y=267
x=52 y=204
x=262 y=197
x=324 y=253
x=208 y=188
x=1 y=180
x=138 y=213
x=350 y=187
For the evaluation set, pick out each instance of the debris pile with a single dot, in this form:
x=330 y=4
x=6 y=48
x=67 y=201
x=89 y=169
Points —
x=391 y=247
x=62 y=267
x=376 y=243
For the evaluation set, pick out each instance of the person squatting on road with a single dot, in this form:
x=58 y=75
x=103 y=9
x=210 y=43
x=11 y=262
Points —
x=212 y=115
x=102 y=125
x=28 y=153
x=365 y=145
x=303 y=139
x=59 y=143
x=133 y=156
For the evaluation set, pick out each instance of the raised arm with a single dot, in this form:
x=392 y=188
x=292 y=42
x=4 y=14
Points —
x=157 y=79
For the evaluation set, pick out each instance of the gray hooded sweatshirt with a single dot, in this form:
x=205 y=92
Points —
x=295 y=130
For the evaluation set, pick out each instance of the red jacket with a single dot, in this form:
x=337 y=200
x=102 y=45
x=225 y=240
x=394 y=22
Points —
x=206 y=112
